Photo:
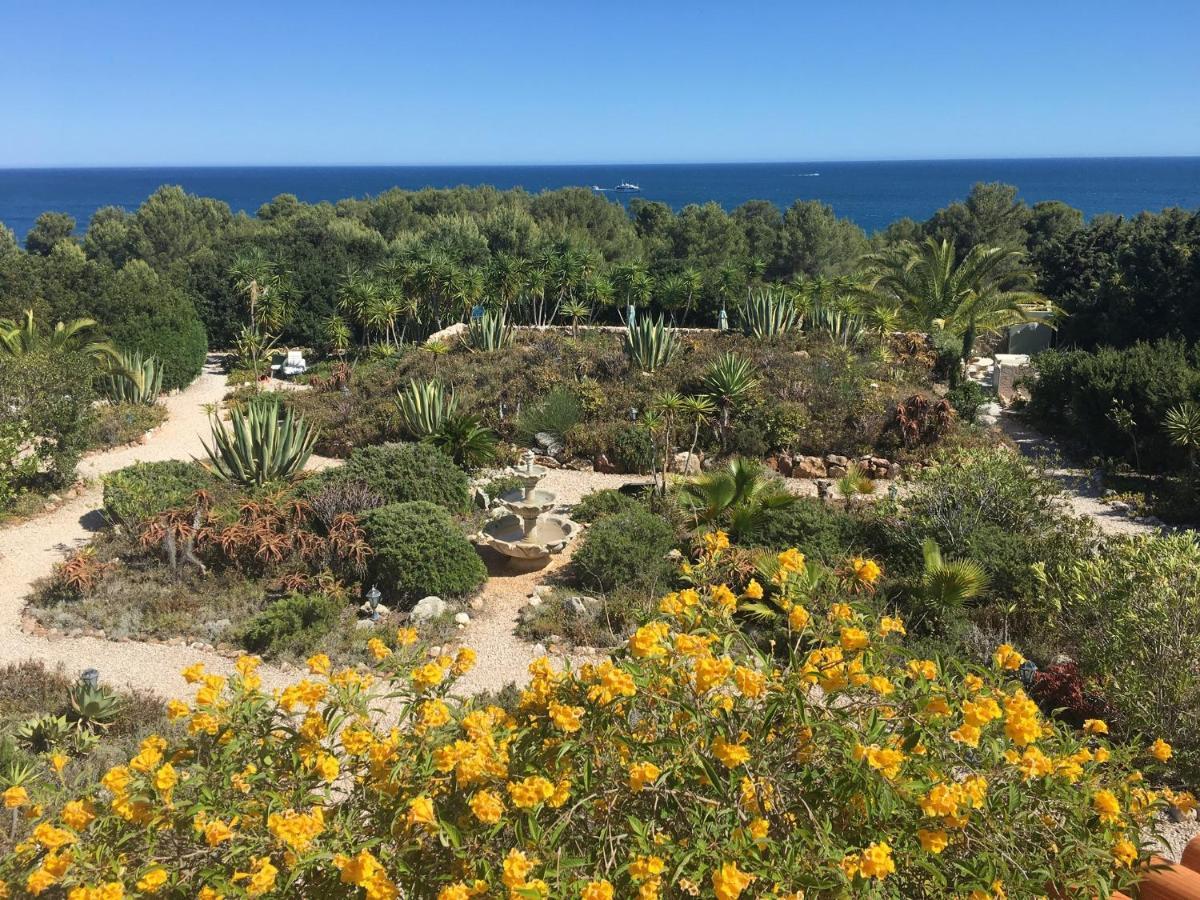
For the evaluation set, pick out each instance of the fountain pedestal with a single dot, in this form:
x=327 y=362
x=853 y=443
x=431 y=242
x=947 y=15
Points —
x=523 y=528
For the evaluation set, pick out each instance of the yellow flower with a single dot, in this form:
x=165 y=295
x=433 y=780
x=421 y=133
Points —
x=791 y=561
x=646 y=642
x=891 y=624
x=58 y=761
x=1105 y=803
x=933 y=840
x=565 y=718
x=177 y=709
x=597 y=890
x=328 y=767
x=1095 y=726
x=297 y=830
x=530 y=792
x=798 y=618
x=754 y=590
x=246 y=665
x=730 y=755
x=50 y=837
x=853 y=639
x=487 y=807
x=427 y=676
x=866 y=571
x=15 y=797
x=1125 y=852
x=261 y=877
x=152 y=881
x=876 y=861
x=752 y=684
x=716 y=541
x=165 y=780
x=464 y=661
x=378 y=648
x=1006 y=657
x=434 y=714
x=646 y=867
x=724 y=598
x=406 y=637
x=1161 y=750
x=642 y=774
x=421 y=812
x=728 y=881
x=517 y=867
x=194 y=673
x=319 y=664
x=922 y=668
x=365 y=871
x=77 y=814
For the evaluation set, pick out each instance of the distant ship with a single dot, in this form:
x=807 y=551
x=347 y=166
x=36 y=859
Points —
x=626 y=187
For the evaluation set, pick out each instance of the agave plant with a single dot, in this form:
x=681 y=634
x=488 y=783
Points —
x=136 y=380
x=839 y=325
x=490 y=332
x=767 y=314
x=42 y=734
x=92 y=708
x=464 y=439
x=424 y=406
x=736 y=498
x=651 y=344
x=264 y=443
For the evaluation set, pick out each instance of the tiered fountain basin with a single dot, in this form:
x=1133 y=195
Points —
x=522 y=527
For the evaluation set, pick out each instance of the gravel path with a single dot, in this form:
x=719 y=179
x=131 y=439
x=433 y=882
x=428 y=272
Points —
x=30 y=549
x=1082 y=496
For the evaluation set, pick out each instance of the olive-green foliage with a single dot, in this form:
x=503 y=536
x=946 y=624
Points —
x=820 y=531
x=419 y=550
x=1076 y=391
x=651 y=344
x=601 y=504
x=768 y=314
x=466 y=441
x=633 y=449
x=628 y=549
x=967 y=397
x=490 y=333
x=265 y=442
x=554 y=414
x=139 y=492
x=424 y=406
x=1129 y=615
x=291 y=624
x=49 y=395
x=400 y=473
x=116 y=424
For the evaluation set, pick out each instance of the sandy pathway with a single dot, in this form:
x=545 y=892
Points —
x=1082 y=497
x=29 y=550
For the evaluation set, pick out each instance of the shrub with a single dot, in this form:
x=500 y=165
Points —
x=967 y=397
x=140 y=492
x=601 y=504
x=1130 y=616
x=332 y=493
x=142 y=311
x=291 y=624
x=465 y=440
x=554 y=414
x=123 y=423
x=628 y=549
x=820 y=531
x=420 y=550
x=1076 y=392
x=47 y=395
x=401 y=473
x=864 y=790
x=633 y=449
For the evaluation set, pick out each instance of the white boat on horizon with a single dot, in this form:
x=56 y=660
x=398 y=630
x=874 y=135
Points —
x=626 y=187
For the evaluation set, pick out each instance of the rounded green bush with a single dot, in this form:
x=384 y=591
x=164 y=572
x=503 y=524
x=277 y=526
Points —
x=139 y=492
x=403 y=473
x=419 y=550
x=294 y=623
x=628 y=549
x=601 y=504
x=819 y=531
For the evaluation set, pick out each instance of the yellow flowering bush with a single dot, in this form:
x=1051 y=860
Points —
x=696 y=762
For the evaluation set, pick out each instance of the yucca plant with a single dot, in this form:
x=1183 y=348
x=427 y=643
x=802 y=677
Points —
x=490 y=332
x=264 y=443
x=728 y=380
x=135 y=380
x=424 y=406
x=651 y=344
x=768 y=314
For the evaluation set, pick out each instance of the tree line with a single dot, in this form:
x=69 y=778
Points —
x=162 y=278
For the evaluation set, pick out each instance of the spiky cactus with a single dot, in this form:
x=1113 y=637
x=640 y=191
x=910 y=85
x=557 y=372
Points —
x=264 y=443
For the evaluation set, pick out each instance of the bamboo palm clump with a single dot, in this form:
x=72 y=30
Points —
x=136 y=380
x=264 y=443
x=651 y=344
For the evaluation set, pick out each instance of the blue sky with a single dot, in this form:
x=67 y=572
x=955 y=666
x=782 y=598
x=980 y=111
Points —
x=140 y=83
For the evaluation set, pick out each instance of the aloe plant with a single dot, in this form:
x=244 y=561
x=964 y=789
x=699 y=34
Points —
x=490 y=332
x=135 y=380
x=264 y=443
x=424 y=406
x=651 y=344
x=768 y=314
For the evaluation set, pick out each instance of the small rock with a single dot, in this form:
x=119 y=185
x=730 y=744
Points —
x=535 y=600
x=786 y=465
x=575 y=606
x=602 y=465
x=428 y=608
x=808 y=467
x=462 y=619
x=834 y=459
x=176 y=641
x=578 y=465
x=548 y=461
x=539 y=649
x=475 y=603
x=364 y=623
x=687 y=464
x=834 y=470
x=54 y=498
x=481 y=499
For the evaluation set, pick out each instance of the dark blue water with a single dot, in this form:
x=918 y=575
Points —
x=872 y=194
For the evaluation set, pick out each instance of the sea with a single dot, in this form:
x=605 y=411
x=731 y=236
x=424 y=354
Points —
x=872 y=194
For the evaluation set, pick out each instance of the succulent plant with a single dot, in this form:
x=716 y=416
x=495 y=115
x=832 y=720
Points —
x=264 y=443
x=651 y=344
x=92 y=708
x=768 y=314
x=424 y=406
x=42 y=734
x=489 y=332
x=135 y=379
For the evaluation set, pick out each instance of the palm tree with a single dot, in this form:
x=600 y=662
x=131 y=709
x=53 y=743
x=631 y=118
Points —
x=699 y=409
x=692 y=282
x=1182 y=425
x=505 y=277
x=727 y=381
x=943 y=588
x=26 y=336
x=264 y=286
x=575 y=311
x=672 y=293
x=737 y=497
x=989 y=290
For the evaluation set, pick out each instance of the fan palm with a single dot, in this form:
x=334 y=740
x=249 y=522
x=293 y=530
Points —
x=943 y=589
x=737 y=497
x=78 y=335
x=990 y=289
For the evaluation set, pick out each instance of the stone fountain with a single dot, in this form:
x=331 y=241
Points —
x=522 y=527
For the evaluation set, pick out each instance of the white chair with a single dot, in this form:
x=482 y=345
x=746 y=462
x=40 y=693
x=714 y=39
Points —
x=294 y=364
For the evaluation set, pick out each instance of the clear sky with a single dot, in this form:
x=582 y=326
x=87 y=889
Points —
x=254 y=82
